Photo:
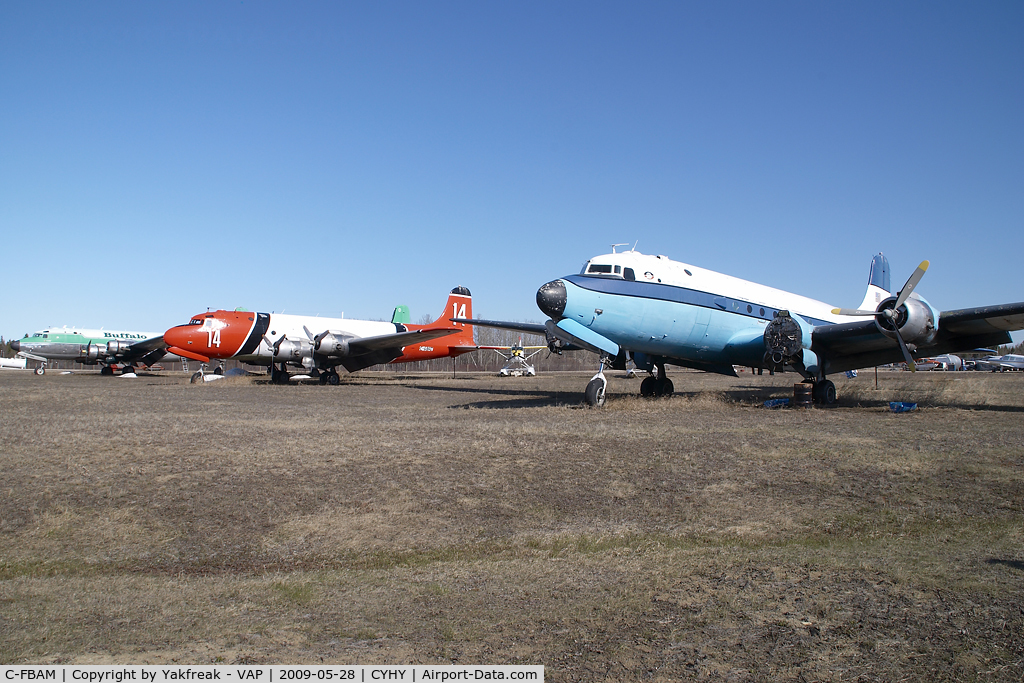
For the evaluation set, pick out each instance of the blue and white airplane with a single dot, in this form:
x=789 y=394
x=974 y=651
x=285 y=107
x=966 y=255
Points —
x=658 y=312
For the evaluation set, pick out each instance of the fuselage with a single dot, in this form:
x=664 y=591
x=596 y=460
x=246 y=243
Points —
x=80 y=345
x=1008 y=362
x=663 y=308
x=313 y=341
x=250 y=337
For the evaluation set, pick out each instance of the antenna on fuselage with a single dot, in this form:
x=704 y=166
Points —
x=634 y=245
x=624 y=244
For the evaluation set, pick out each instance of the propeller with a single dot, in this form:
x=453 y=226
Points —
x=275 y=346
x=889 y=312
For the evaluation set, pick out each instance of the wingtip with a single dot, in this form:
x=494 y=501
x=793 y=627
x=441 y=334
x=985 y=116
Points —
x=924 y=265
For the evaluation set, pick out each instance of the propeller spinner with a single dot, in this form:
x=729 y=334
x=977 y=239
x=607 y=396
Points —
x=890 y=313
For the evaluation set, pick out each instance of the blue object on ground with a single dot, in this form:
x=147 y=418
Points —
x=776 y=403
x=901 y=407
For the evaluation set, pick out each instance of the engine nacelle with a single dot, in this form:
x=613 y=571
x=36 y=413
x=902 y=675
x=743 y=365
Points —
x=785 y=339
x=332 y=344
x=96 y=351
x=293 y=350
x=915 y=320
x=117 y=346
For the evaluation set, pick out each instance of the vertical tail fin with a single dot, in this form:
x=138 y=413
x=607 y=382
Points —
x=878 y=283
x=460 y=305
x=401 y=315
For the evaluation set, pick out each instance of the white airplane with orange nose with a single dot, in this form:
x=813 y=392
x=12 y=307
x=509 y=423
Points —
x=319 y=345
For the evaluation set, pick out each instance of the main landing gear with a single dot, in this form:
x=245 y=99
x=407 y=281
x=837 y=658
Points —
x=279 y=375
x=657 y=385
x=824 y=392
x=330 y=377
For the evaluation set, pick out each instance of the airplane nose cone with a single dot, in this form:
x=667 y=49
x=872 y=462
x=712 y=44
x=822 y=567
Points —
x=176 y=336
x=16 y=345
x=551 y=299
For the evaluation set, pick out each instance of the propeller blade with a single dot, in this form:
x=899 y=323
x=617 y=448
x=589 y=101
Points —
x=308 y=333
x=906 y=352
x=851 y=311
x=911 y=284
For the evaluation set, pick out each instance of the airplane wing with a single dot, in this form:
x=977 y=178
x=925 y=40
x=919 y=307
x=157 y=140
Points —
x=983 y=319
x=848 y=346
x=147 y=351
x=531 y=328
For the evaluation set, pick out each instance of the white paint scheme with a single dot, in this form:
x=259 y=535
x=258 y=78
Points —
x=294 y=327
x=666 y=271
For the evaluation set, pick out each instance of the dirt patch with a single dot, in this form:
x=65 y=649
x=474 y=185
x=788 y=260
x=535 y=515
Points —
x=420 y=518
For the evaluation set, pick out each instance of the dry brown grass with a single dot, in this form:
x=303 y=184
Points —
x=419 y=518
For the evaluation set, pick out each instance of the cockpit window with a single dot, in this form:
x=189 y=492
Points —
x=195 y=321
x=598 y=268
x=627 y=273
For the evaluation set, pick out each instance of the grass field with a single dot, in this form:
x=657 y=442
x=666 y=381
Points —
x=479 y=520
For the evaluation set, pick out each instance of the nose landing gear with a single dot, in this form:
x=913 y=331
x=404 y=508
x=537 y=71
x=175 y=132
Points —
x=595 y=395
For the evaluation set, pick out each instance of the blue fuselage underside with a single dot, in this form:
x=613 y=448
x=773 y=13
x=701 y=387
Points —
x=698 y=328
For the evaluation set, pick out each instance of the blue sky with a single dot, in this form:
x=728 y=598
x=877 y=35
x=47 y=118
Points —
x=157 y=159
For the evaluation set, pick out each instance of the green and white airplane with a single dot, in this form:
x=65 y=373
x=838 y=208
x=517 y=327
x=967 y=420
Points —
x=106 y=348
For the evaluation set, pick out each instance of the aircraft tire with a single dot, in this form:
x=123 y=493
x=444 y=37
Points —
x=106 y=370
x=649 y=387
x=323 y=378
x=40 y=370
x=595 y=393
x=333 y=379
x=218 y=371
x=666 y=388
x=196 y=378
x=825 y=393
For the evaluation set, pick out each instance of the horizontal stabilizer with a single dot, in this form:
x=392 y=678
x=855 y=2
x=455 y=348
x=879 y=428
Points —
x=399 y=340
